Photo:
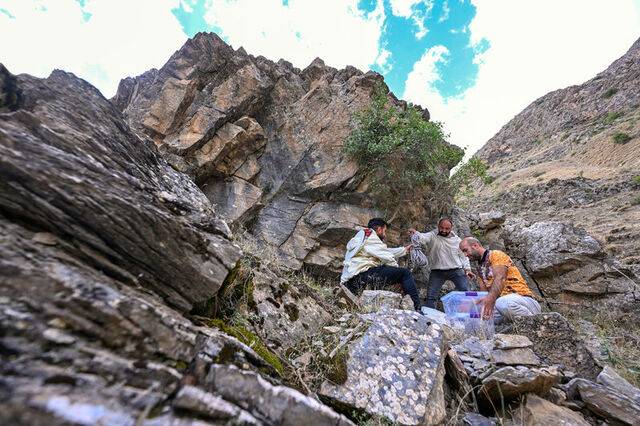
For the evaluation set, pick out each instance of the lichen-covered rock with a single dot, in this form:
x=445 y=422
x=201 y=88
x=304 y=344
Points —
x=535 y=411
x=375 y=300
x=395 y=370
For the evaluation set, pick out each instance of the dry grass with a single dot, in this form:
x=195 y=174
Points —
x=619 y=335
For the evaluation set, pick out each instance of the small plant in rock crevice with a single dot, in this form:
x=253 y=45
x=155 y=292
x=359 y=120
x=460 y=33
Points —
x=621 y=138
x=610 y=92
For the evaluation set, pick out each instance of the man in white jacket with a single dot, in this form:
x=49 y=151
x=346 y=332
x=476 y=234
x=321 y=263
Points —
x=369 y=262
x=446 y=261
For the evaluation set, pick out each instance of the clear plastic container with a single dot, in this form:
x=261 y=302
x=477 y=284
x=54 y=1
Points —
x=465 y=312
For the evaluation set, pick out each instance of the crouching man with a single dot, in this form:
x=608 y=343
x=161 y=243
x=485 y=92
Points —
x=509 y=294
x=368 y=262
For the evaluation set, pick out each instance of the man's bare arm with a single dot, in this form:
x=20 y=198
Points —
x=499 y=276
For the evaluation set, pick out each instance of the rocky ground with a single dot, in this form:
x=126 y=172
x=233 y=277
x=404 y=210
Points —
x=154 y=256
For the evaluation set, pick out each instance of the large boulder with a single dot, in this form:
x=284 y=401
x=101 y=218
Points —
x=395 y=370
x=265 y=140
x=535 y=411
x=103 y=250
x=72 y=168
x=555 y=341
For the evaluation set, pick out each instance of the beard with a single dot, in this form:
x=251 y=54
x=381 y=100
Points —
x=476 y=257
x=443 y=234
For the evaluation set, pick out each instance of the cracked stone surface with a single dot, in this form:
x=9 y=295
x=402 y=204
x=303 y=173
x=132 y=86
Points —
x=395 y=370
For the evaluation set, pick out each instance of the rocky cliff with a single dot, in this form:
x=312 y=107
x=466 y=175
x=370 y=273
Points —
x=567 y=174
x=263 y=140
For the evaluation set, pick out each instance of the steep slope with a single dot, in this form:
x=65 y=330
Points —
x=264 y=142
x=574 y=155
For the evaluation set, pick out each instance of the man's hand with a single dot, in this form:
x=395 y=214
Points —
x=408 y=248
x=489 y=304
x=470 y=274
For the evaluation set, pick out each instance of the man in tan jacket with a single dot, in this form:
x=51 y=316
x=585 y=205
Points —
x=369 y=262
x=446 y=261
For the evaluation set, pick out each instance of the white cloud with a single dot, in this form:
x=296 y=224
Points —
x=424 y=74
x=408 y=9
x=335 y=30
x=383 y=61
x=535 y=47
x=445 y=12
x=121 y=38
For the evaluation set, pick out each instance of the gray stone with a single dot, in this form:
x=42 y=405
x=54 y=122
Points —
x=116 y=203
x=375 y=300
x=490 y=220
x=535 y=411
x=273 y=404
x=475 y=419
x=515 y=356
x=555 y=342
x=211 y=406
x=609 y=378
x=510 y=382
x=606 y=402
x=395 y=370
x=511 y=341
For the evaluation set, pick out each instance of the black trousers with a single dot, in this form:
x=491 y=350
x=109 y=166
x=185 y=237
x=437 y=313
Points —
x=385 y=276
x=437 y=277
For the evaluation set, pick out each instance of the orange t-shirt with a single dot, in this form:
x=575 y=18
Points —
x=513 y=283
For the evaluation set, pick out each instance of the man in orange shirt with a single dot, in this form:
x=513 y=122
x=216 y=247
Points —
x=508 y=294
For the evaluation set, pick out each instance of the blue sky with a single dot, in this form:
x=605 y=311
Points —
x=473 y=63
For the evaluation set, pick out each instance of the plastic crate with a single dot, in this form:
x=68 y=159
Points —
x=465 y=313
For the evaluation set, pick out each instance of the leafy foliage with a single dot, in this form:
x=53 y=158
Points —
x=467 y=176
x=621 y=138
x=407 y=157
x=609 y=93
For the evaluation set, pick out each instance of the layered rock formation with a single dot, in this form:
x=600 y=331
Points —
x=263 y=140
x=103 y=250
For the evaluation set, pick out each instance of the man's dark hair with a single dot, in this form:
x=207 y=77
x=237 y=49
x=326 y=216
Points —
x=375 y=222
x=445 y=218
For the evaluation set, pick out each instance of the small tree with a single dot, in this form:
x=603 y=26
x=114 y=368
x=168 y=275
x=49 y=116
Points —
x=407 y=157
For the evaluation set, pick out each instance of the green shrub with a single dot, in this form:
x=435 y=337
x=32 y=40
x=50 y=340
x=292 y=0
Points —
x=612 y=116
x=406 y=156
x=636 y=180
x=462 y=182
x=609 y=93
x=635 y=201
x=621 y=138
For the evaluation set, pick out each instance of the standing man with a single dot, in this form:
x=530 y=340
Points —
x=446 y=261
x=508 y=294
x=368 y=261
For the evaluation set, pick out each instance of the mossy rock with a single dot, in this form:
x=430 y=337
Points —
x=251 y=340
x=336 y=367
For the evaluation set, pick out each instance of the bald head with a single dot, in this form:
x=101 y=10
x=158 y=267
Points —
x=472 y=248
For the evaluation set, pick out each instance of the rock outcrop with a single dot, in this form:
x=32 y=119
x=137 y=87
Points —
x=572 y=156
x=104 y=249
x=263 y=140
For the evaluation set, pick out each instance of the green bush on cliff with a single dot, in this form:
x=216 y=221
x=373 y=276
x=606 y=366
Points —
x=406 y=156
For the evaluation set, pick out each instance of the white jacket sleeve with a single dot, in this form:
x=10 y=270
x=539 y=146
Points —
x=397 y=252
x=376 y=248
x=425 y=238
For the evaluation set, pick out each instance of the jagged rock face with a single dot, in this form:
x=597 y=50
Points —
x=263 y=140
x=103 y=249
x=557 y=160
x=71 y=167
